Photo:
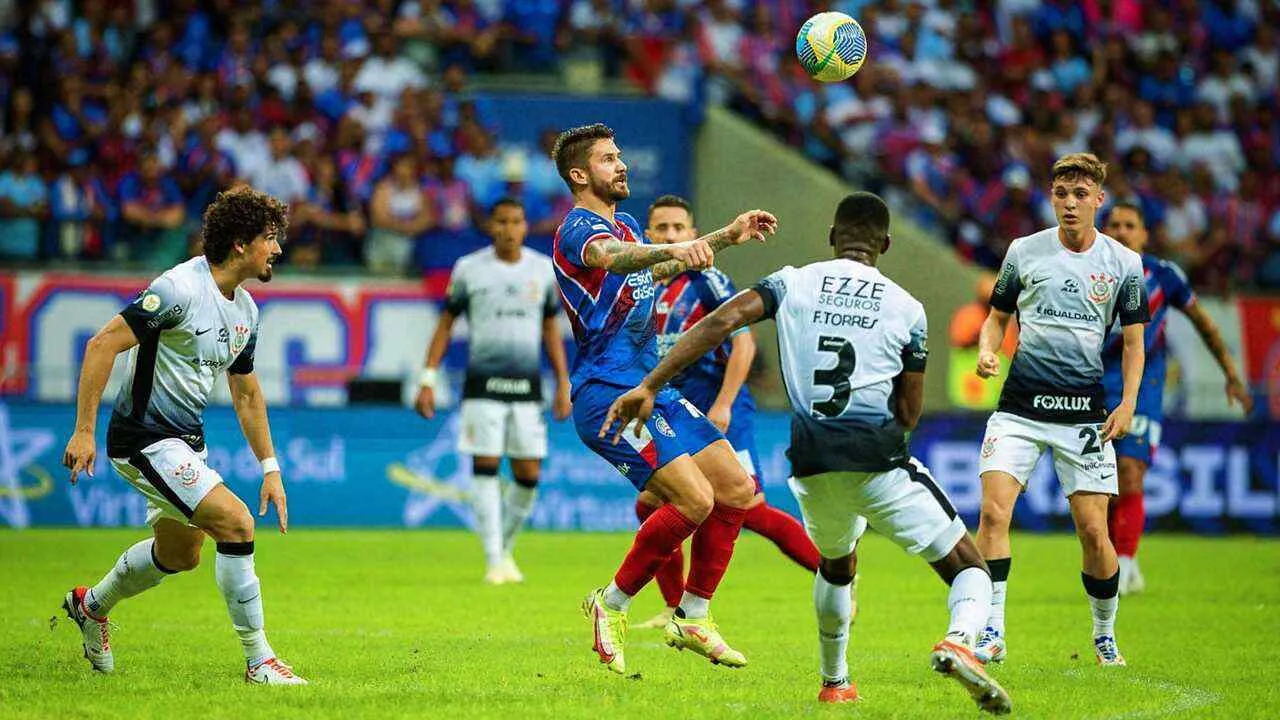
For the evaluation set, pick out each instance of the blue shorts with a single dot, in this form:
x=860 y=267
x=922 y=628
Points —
x=1145 y=430
x=1142 y=440
x=742 y=424
x=676 y=428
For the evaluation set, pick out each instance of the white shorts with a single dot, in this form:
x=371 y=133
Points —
x=173 y=477
x=492 y=428
x=904 y=503
x=1014 y=444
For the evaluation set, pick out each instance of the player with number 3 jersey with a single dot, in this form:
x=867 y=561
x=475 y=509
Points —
x=853 y=348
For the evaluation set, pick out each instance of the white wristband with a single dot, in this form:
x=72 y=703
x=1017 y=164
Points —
x=429 y=378
x=270 y=465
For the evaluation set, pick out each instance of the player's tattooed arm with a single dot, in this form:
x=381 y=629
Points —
x=750 y=225
x=624 y=257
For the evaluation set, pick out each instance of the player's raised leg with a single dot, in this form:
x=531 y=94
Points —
x=175 y=547
x=999 y=494
x=1101 y=572
x=710 y=552
x=689 y=501
x=1127 y=517
x=226 y=519
x=962 y=568
x=670 y=576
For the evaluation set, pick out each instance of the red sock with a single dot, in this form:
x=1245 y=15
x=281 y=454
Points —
x=670 y=576
x=713 y=548
x=658 y=537
x=1128 y=516
x=784 y=531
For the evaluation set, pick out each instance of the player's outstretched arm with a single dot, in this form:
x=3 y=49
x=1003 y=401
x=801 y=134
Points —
x=1131 y=364
x=99 y=355
x=741 y=354
x=989 y=342
x=750 y=225
x=1237 y=391
x=251 y=410
x=637 y=404
x=430 y=378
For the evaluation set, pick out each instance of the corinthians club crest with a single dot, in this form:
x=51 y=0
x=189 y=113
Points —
x=240 y=339
x=1101 y=286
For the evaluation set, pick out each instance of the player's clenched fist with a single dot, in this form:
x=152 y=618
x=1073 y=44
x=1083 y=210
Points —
x=752 y=225
x=695 y=254
x=988 y=365
x=426 y=403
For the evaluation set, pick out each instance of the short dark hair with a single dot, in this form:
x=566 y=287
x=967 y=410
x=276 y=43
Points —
x=506 y=201
x=674 y=201
x=864 y=216
x=573 y=148
x=1129 y=205
x=236 y=217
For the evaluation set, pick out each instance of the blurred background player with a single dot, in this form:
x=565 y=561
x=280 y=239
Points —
x=607 y=272
x=189 y=326
x=1068 y=284
x=716 y=385
x=1167 y=287
x=508 y=293
x=848 y=434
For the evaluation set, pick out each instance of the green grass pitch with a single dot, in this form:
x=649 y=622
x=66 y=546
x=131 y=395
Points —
x=397 y=624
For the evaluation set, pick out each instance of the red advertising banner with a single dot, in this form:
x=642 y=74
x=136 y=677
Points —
x=1260 y=330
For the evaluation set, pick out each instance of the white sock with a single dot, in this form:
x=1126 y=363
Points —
x=615 y=599
x=834 y=607
x=1104 y=615
x=695 y=607
x=486 y=501
x=233 y=571
x=969 y=603
x=134 y=571
x=995 y=618
x=515 y=511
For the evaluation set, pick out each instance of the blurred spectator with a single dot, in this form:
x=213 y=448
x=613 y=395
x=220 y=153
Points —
x=80 y=209
x=24 y=203
x=281 y=175
x=398 y=214
x=327 y=225
x=151 y=208
x=1214 y=147
x=386 y=73
x=19 y=130
x=243 y=142
x=481 y=167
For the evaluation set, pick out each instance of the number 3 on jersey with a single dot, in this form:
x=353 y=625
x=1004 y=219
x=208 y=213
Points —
x=836 y=378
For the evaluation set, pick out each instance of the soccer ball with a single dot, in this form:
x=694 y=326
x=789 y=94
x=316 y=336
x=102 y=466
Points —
x=831 y=46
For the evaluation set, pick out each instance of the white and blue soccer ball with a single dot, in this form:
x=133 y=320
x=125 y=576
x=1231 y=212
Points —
x=831 y=46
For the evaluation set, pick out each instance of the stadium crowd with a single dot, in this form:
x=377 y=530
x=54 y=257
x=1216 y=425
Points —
x=123 y=118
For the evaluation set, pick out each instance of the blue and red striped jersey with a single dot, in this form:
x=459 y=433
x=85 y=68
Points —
x=682 y=302
x=1167 y=287
x=611 y=313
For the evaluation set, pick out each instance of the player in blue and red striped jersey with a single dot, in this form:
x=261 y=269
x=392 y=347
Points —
x=606 y=271
x=1166 y=287
x=716 y=386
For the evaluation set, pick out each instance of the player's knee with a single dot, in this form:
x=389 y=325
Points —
x=738 y=491
x=485 y=466
x=1093 y=534
x=994 y=516
x=527 y=480
x=696 y=504
x=1131 y=474
x=235 y=526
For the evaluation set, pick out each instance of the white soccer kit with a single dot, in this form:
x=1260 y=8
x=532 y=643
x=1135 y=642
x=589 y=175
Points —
x=188 y=334
x=505 y=304
x=1053 y=398
x=845 y=332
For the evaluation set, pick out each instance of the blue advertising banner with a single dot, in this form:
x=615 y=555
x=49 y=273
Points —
x=388 y=467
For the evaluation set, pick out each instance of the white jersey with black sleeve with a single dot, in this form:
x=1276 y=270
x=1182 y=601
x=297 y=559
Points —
x=505 y=303
x=845 y=332
x=1065 y=302
x=188 y=334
